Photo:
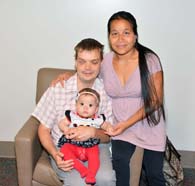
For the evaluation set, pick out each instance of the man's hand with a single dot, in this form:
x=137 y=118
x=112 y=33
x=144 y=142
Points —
x=81 y=133
x=65 y=165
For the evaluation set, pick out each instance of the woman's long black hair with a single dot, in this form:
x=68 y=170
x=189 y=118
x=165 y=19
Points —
x=148 y=90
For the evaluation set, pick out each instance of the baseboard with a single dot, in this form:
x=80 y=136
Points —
x=7 y=149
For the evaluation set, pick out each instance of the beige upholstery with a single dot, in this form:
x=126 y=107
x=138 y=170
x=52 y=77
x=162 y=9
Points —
x=33 y=164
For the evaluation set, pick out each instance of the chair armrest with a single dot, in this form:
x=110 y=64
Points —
x=28 y=150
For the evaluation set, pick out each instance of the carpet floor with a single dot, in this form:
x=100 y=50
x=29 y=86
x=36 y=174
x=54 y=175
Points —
x=8 y=173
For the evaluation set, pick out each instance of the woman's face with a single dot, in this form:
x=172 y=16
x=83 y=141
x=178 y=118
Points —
x=122 y=38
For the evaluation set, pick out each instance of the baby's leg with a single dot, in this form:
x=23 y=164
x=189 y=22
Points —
x=71 y=152
x=93 y=164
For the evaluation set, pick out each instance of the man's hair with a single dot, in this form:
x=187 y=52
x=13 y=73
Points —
x=89 y=44
x=90 y=91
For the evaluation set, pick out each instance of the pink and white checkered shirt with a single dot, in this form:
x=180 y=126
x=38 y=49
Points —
x=52 y=105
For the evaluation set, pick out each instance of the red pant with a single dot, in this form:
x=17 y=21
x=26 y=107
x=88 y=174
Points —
x=79 y=154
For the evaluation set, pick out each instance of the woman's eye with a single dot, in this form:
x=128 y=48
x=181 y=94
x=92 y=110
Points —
x=114 y=33
x=126 y=33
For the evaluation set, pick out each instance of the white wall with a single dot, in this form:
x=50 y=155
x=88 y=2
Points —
x=42 y=33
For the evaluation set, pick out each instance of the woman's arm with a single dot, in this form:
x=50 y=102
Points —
x=140 y=114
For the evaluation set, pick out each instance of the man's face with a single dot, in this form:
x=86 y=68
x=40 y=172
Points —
x=88 y=65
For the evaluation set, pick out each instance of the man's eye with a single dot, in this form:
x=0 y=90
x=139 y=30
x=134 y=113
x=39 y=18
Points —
x=95 y=62
x=81 y=61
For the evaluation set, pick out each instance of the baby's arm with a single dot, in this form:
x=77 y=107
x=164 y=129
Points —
x=64 y=125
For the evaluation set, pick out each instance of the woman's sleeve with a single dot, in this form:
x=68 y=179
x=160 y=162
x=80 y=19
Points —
x=154 y=64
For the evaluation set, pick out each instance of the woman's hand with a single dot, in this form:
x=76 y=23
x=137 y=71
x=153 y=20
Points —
x=65 y=165
x=118 y=129
x=61 y=78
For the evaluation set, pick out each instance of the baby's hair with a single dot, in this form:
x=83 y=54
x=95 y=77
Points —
x=89 y=91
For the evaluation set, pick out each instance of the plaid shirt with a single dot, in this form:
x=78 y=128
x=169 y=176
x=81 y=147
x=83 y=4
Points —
x=52 y=105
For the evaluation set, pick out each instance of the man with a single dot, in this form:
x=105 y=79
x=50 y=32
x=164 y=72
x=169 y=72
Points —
x=51 y=107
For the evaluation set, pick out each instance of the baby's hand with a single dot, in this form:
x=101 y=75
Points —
x=64 y=126
x=107 y=127
x=110 y=128
x=66 y=131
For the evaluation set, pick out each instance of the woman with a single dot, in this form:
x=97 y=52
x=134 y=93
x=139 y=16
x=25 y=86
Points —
x=133 y=78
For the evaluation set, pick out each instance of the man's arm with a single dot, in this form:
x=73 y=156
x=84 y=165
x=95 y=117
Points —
x=83 y=133
x=104 y=138
x=46 y=141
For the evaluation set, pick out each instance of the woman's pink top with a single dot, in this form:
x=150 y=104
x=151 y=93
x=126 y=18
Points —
x=126 y=101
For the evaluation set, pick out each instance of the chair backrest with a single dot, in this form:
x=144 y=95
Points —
x=45 y=77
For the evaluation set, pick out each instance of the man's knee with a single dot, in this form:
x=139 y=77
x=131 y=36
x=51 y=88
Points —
x=106 y=174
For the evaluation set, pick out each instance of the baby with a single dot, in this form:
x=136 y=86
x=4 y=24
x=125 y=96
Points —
x=87 y=105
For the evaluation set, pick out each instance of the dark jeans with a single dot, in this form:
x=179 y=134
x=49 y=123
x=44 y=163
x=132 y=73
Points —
x=152 y=164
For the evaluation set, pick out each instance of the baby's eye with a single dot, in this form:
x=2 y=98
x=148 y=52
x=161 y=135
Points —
x=81 y=104
x=90 y=105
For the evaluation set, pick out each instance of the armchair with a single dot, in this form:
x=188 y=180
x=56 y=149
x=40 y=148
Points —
x=33 y=164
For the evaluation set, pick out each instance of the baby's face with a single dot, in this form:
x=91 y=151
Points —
x=86 y=106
